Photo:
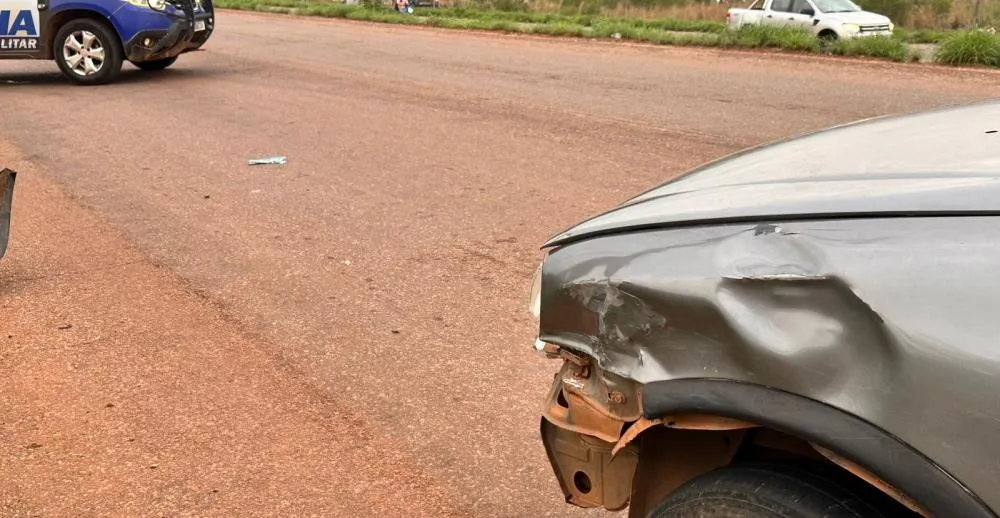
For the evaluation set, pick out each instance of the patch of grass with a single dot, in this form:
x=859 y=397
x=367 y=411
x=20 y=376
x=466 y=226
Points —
x=761 y=36
x=678 y=25
x=665 y=24
x=558 y=29
x=882 y=47
x=921 y=36
x=974 y=47
x=329 y=10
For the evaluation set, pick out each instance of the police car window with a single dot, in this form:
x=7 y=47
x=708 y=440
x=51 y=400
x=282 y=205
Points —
x=784 y=6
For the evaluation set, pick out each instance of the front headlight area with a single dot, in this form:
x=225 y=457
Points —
x=852 y=28
x=535 y=293
x=542 y=349
x=156 y=5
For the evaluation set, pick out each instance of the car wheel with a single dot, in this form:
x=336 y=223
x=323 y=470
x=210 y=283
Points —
x=158 y=64
x=87 y=52
x=827 y=38
x=772 y=491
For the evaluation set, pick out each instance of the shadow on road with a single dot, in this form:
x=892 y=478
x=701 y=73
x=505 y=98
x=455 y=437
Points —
x=128 y=76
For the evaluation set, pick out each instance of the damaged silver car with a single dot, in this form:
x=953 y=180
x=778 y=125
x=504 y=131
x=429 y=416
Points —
x=6 y=201
x=804 y=329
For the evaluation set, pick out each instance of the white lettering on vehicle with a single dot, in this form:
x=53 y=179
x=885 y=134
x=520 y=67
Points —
x=18 y=43
x=19 y=26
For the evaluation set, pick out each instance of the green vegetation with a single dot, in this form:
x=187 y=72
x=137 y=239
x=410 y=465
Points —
x=937 y=14
x=873 y=47
x=668 y=24
x=974 y=47
x=957 y=48
x=921 y=36
x=759 y=36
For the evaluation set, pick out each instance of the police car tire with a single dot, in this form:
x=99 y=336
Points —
x=109 y=41
x=158 y=64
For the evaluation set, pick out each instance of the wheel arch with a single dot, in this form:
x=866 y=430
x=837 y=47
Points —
x=70 y=13
x=835 y=433
x=827 y=32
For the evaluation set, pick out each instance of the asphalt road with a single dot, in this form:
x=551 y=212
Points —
x=347 y=334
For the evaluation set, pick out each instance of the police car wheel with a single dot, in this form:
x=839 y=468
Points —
x=158 y=64
x=88 y=52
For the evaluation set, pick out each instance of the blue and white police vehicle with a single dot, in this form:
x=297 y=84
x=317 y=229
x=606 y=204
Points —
x=90 y=39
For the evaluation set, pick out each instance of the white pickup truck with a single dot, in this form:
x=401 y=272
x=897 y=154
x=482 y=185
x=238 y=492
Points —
x=828 y=19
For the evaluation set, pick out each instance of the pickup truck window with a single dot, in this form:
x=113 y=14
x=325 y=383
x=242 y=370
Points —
x=757 y=5
x=801 y=5
x=837 y=6
x=784 y=6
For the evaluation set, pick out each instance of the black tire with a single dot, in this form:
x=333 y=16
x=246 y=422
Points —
x=827 y=37
x=105 y=37
x=159 y=64
x=776 y=491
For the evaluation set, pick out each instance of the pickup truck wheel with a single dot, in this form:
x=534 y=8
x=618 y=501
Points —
x=87 y=52
x=827 y=37
x=772 y=491
x=159 y=64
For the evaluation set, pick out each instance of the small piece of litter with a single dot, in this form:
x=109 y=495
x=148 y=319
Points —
x=65 y=327
x=348 y=263
x=616 y=36
x=268 y=160
x=255 y=191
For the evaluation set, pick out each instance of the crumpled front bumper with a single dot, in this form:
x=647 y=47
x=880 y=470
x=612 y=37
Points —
x=6 y=201
x=586 y=416
x=185 y=34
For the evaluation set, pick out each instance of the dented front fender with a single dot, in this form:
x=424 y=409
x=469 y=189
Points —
x=889 y=320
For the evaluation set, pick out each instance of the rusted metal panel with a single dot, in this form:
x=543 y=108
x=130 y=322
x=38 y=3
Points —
x=587 y=471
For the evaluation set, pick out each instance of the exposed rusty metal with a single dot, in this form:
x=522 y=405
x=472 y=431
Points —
x=579 y=361
x=704 y=422
x=682 y=422
x=589 y=475
x=616 y=397
x=872 y=479
x=570 y=410
x=633 y=431
x=547 y=350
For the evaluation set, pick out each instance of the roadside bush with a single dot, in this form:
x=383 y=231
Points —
x=762 y=36
x=970 y=48
x=875 y=47
x=559 y=29
x=607 y=28
x=921 y=36
x=329 y=10
x=674 y=24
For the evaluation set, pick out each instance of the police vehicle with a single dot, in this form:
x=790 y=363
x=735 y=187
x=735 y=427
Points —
x=90 y=39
